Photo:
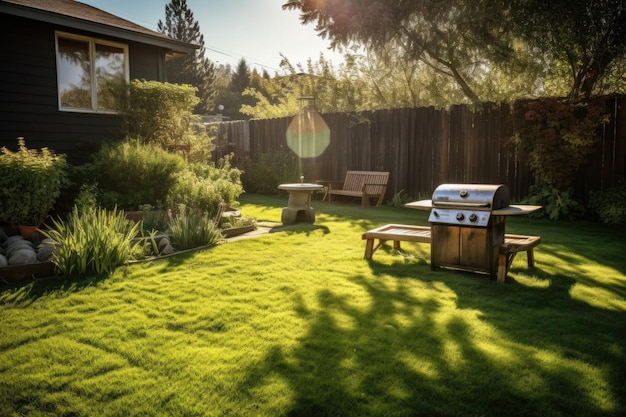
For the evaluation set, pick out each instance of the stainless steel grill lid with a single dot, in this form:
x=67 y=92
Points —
x=484 y=197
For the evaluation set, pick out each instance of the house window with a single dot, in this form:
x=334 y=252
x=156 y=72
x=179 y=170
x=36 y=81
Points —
x=87 y=70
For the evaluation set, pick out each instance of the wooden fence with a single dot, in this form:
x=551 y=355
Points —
x=425 y=147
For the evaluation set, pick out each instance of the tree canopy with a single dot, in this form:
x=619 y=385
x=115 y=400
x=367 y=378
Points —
x=587 y=37
x=193 y=69
x=469 y=42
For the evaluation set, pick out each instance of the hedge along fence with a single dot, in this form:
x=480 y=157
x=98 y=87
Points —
x=424 y=147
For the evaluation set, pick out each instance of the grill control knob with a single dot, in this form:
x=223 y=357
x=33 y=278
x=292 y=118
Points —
x=473 y=217
x=460 y=217
x=436 y=214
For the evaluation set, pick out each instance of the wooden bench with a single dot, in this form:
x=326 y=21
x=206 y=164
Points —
x=363 y=184
x=512 y=245
x=421 y=234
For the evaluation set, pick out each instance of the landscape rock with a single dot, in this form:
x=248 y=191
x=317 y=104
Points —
x=45 y=250
x=167 y=250
x=18 y=245
x=3 y=261
x=12 y=239
x=23 y=257
x=163 y=242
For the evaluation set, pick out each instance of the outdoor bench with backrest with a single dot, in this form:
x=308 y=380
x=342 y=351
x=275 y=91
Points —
x=360 y=184
x=422 y=234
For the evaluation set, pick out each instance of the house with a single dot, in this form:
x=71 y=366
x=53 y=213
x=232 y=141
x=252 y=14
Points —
x=59 y=58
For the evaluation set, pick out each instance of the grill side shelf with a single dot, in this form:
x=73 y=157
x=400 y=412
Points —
x=516 y=210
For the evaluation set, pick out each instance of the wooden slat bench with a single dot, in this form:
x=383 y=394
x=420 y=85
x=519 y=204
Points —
x=396 y=233
x=421 y=234
x=512 y=245
x=363 y=184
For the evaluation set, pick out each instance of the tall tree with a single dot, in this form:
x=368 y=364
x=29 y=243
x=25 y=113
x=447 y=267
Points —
x=241 y=76
x=194 y=69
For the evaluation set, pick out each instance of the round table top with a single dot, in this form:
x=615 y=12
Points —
x=300 y=187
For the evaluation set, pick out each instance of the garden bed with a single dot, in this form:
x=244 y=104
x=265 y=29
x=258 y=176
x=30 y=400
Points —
x=17 y=273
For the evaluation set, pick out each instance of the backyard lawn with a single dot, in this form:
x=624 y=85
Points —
x=296 y=323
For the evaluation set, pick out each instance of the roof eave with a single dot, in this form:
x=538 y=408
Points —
x=172 y=45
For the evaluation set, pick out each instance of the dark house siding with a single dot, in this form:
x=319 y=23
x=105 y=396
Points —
x=28 y=91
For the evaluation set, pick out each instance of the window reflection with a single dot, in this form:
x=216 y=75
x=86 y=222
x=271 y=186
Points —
x=109 y=69
x=74 y=73
x=88 y=72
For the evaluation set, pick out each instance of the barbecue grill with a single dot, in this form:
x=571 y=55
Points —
x=468 y=225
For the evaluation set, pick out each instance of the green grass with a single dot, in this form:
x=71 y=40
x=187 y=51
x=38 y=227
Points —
x=297 y=323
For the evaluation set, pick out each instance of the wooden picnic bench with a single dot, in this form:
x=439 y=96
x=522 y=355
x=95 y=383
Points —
x=360 y=184
x=422 y=234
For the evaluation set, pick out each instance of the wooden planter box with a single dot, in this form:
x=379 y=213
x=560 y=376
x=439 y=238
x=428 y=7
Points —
x=236 y=231
x=17 y=273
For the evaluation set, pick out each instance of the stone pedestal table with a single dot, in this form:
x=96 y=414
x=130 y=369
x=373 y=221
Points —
x=299 y=205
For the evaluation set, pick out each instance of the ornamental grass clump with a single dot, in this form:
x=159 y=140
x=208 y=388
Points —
x=191 y=228
x=94 y=241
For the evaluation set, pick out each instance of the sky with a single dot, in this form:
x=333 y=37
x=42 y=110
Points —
x=256 y=30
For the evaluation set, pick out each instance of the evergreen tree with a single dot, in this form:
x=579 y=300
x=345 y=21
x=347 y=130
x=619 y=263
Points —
x=193 y=69
x=241 y=76
x=233 y=98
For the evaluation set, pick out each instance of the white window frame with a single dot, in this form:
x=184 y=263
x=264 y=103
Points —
x=92 y=56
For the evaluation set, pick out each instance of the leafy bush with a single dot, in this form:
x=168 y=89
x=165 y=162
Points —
x=191 y=228
x=557 y=136
x=87 y=197
x=30 y=183
x=234 y=222
x=203 y=187
x=264 y=175
x=95 y=241
x=162 y=114
x=154 y=219
x=130 y=174
x=400 y=199
x=557 y=205
x=610 y=205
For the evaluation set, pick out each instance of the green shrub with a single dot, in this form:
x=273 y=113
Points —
x=191 y=228
x=203 y=187
x=87 y=197
x=556 y=204
x=154 y=219
x=557 y=136
x=30 y=183
x=95 y=241
x=400 y=199
x=264 y=176
x=609 y=205
x=130 y=174
x=162 y=114
x=234 y=222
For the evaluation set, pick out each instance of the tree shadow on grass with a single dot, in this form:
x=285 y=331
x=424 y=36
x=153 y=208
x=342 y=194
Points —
x=450 y=344
x=27 y=292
